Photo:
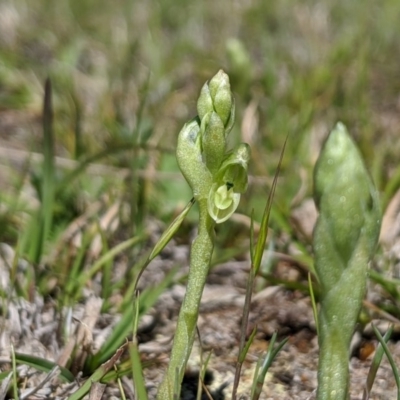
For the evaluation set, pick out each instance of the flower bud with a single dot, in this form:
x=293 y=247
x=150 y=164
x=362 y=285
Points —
x=220 y=81
x=216 y=96
x=213 y=141
x=204 y=102
x=342 y=187
x=220 y=90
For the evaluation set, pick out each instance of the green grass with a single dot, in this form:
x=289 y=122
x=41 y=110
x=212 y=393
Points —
x=125 y=77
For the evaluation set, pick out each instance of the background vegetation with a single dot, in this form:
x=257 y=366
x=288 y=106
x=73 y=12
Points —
x=126 y=76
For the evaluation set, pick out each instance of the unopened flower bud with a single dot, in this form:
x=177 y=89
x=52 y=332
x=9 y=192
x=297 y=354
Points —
x=216 y=96
x=213 y=141
x=204 y=102
x=221 y=94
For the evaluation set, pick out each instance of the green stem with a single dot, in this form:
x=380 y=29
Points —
x=200 y=258
x=340 y=307
x=337 y=319
x=333 y=368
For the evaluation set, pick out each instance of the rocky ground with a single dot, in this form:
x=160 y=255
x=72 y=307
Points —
x=32 y=328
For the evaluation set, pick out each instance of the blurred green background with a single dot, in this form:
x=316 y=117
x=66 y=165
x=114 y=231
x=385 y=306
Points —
x=126 y=76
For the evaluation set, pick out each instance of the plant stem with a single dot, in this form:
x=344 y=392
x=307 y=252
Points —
x=200 y=258
x=335 y=333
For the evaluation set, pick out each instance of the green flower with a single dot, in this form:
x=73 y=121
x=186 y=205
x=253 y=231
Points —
x=230 y=182
x=214 y=174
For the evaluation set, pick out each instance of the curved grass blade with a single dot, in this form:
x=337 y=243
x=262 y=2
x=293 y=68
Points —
x=375 y=365
x=5 y=379
x=124 y=326
x=269 y=358
x=108 y=256
x=43 y=365
x=313 y=302
x=255 y=266
x=97 y=375
x=390 y=359
x=14 y=368
x=170 y=231
x=137 y=372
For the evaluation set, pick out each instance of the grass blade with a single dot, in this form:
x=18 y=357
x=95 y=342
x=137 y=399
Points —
x=43 y=365
x=5 y=379
x=170 y=231
x=313 y=302
x=390 y=359
x=269 y=358
x=375 y=365
x=137 y=372
x=255 y=266
x=15 y=375
x=109 y=256
x=265 y=219
x=97 y=375
x=40 y=226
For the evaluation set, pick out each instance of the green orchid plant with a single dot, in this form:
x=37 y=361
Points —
x=217 y=178
x=345 y=238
